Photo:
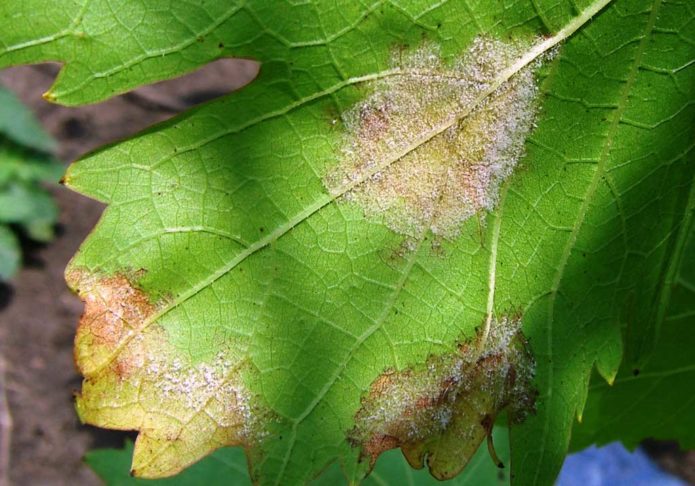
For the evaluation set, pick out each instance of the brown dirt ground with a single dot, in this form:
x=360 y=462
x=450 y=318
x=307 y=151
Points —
x=38 y=314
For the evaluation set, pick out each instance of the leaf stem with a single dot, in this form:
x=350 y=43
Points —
x=492 y=275
x=506 y=74
x=492 y=452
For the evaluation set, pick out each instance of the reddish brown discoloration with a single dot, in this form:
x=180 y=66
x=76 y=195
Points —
x=374 y=120
x=115 y=310
x=378 y=444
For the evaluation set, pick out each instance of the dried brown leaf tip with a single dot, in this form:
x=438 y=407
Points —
x=432 y=143
x=442 y=411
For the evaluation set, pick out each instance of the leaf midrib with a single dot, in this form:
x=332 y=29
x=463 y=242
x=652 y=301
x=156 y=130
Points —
x=532 y=54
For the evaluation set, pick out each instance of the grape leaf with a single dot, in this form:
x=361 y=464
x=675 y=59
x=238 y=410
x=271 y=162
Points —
x=276 y=264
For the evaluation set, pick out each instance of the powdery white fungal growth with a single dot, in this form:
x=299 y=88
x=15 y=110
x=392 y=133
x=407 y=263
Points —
x=135 y=379
x=215 y=388
x=442 y=411
x=417 y=175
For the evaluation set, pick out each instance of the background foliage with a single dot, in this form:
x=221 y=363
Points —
x=25 y=205
x=228 y=466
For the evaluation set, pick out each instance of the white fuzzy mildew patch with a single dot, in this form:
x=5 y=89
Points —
x=196 y=385
x=432 y=143
x=215 y=388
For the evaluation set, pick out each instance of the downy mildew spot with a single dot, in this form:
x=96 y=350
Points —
x=416 y=182
x=136 y=379
x=441 y=411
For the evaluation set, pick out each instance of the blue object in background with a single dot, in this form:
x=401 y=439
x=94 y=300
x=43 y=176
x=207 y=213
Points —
x=613 y=465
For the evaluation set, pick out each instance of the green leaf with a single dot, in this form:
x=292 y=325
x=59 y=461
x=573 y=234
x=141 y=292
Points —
x=23 y=202
x=23 y=164
x=109 y=49
x=10 y=254
x=20 y=125
x=31 y=207
x=653 y=398
x=336 y=260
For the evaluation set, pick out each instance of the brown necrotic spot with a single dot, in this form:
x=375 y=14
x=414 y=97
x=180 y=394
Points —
x=443 y=410
x=432 y=143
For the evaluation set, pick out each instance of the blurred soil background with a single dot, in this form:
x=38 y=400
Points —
x=38 y=314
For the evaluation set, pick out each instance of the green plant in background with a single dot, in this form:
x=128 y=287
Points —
x=25 y=163
x=228 y=466
x=421 y=219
